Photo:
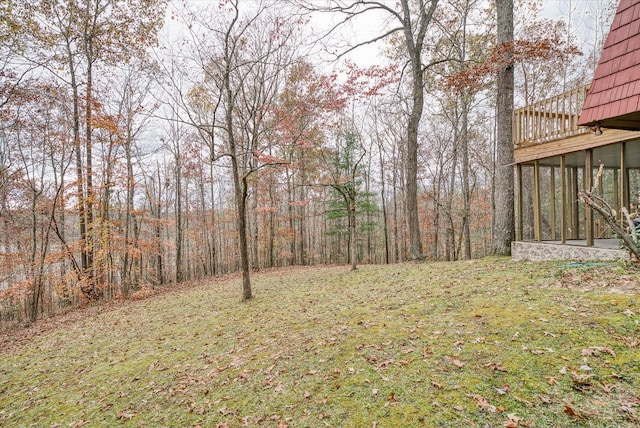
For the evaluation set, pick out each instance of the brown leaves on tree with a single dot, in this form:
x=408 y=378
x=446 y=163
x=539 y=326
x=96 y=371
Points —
x=546 y=41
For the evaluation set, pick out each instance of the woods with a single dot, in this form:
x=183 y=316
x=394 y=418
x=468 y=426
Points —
x=144 y=143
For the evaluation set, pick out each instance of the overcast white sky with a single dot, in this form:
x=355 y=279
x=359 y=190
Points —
x=588 y=19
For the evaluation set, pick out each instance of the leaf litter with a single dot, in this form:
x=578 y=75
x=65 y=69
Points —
x=382 y=346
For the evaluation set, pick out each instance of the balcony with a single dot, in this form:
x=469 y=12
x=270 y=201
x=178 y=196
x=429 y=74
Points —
x=553 y=119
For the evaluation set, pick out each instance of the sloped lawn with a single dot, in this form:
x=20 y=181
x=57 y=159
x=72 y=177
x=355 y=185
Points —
x=482 y=343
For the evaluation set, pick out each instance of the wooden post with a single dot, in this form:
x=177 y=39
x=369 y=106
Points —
x=598 y=231
x=575 y=207
x=588 y=186
x=552 y=200
x=563 y=205
x=519 y=232
x=616 y=192
x=624 y=182
x=536 y=202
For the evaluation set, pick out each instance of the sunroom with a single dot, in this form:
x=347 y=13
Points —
x=561 y=143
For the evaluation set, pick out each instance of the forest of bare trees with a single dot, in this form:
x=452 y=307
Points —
x=145 y=142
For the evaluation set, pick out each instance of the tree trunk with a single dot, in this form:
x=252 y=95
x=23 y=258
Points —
x=239 y=182
x=466 y=192
x=255 y=228
x=272 y=232
x=385 y=220
x=450 y=250
x=352 y=232
x=396 y=240
x=126 y=262
x=77 y=146
x=292 y=223
x=414 y=39
x=504 y=230
x=415 y=239
x=301 y=210
x=179 y=238
x=158 y=234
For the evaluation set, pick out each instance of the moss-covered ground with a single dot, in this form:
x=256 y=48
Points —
x=483 y=343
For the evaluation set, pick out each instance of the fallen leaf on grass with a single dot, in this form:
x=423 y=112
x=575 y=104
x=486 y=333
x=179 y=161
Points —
x=515 y=422
x=608 y=387
x=573 y=413
x=385 y=364
x=522 y=400
x=391 y=400
x=629 y=407
x=581 y=378
x=458 y=408
x=496 y=366
x=545 y=399
x=125 y=415
x=436 y=385
x=552 y=381
x=503 y=390
x=595 y=351
x=456 y=362
x=399 y=363
x=483 y=403
x=631 y=342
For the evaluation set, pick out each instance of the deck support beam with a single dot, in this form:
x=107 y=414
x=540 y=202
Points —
x=563 y=205
x=588 y=186
x=552 y=200
x=575 y=207
x=520 y=233
x=537 y=225
x=624 y=182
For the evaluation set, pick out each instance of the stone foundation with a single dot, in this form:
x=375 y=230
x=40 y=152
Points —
x=542 y=251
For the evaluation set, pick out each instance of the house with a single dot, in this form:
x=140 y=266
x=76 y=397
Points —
x=560 y=143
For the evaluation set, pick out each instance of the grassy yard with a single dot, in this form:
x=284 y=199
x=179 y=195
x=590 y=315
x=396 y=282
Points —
x=482 y=343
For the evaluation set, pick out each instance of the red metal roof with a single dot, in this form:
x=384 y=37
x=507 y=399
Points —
x=613 y=100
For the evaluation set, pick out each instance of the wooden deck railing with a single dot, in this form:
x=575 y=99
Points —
x=552 y=119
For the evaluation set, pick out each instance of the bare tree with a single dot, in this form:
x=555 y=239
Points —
x=241 y=59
